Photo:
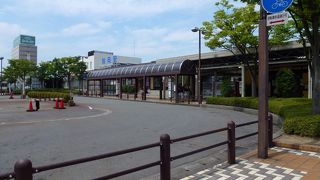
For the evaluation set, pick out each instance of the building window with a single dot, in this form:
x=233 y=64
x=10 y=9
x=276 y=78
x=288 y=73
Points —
x=90 y=65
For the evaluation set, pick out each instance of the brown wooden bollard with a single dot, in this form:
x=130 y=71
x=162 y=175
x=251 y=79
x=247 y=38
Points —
x=23 y=170
x=231 y=143
x=270 y=131
x=165 y=157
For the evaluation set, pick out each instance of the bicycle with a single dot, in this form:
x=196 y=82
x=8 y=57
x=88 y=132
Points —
x=279 y=3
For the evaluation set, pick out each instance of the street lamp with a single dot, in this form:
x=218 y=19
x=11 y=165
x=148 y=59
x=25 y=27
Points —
x=1 y=58
x=201 y=31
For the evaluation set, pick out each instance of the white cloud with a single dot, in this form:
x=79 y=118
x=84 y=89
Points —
x=104 y=24
x=7 y=29
x=180 y=35
x=80 y=29
x=8 y=33
x=105 y=8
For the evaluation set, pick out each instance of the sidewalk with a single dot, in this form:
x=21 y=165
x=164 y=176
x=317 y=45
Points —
x=283 y=163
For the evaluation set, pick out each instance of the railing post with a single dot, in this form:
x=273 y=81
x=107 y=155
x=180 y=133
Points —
x=23 y=170
x=165 y=157
x=231 y=143
x=270 y=131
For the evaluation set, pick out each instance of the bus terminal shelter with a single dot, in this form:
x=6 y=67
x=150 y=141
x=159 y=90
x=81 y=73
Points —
x=172 y=80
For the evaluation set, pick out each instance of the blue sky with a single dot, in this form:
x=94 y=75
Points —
x=150 y=29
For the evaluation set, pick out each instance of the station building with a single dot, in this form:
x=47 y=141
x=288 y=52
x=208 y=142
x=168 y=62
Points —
x=175 y=78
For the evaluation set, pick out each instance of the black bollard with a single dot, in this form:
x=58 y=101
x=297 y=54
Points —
x=37 y=104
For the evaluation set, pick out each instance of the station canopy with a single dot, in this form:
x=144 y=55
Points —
x=185 y=67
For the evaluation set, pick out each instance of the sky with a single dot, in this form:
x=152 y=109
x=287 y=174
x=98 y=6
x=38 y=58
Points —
x=149 y=29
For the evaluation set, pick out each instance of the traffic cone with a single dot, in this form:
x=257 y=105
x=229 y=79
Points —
x=30 y=106
x=62 y=104
x=57 y=103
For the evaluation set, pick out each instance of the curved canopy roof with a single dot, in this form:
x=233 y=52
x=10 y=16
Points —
x=185 y=67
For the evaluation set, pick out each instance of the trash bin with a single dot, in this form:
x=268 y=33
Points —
x=37 y=104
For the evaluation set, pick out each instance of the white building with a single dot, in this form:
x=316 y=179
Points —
x=102 y=59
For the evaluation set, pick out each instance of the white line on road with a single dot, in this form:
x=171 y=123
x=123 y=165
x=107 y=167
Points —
x=107 y=112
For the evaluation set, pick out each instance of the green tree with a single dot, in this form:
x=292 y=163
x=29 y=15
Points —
x=286 y=83
x=20 y=69
x=306 y=15
x=235 y=30
x=72 y=68
x=10 y=76
x=226 y=88
x=43 y=72
x=56 y=72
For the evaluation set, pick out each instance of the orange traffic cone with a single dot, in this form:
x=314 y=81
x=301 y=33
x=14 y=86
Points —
x=57 y=103
x=30 y=106
x=62 y=104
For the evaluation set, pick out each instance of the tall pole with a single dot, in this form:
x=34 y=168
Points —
x=199 y=71
x=263 y=87
x=196 y=29
x=1 y=58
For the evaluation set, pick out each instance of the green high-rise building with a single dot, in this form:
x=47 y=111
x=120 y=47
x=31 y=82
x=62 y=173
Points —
x=24 y=47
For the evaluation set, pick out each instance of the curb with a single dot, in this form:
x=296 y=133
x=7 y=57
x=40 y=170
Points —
x=302 y=147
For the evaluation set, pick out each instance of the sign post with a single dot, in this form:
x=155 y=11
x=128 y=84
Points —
x=263 y=87
x=270 y=6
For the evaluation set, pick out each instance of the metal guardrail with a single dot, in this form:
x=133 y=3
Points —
x=23 y=169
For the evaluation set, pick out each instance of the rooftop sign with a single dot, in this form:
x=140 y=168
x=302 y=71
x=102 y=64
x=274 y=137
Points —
x=24 y=39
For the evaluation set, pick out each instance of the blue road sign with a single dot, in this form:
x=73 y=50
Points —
x=275 y=6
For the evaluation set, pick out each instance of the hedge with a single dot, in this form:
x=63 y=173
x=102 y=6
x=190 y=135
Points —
x=296 y=111
x=303 y=126
x=44 y=95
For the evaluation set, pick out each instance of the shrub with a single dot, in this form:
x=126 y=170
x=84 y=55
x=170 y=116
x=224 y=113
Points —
x=42 y=95
x=286 y=83
x=303 y=125
x=128 y=89
x=226 y=88
x=296 y=111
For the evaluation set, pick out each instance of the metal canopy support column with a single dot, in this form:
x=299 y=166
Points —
x=176 y=92
x=101 y=88
x=161 y=88
x=136 y=88
x=263 y=87
x=196 y=89
x=164 y=86
x=94 y=88
x=309 y=83
x=144 y=94
x=87 y=93
x=191 y=87
x=242 y=80
x=120 y=90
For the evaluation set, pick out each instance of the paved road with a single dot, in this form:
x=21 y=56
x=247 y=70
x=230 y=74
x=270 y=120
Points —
x=51 y=136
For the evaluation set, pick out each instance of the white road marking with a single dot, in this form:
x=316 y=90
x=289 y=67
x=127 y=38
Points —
x=107 y=112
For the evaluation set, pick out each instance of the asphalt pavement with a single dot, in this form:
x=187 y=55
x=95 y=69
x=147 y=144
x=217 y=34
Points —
x=98 y=125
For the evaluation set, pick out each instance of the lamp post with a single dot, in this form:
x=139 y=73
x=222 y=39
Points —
x=1 y=58
x=196 y=29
